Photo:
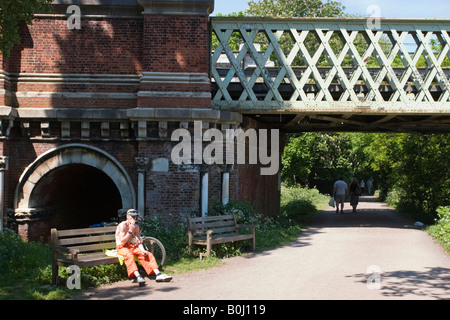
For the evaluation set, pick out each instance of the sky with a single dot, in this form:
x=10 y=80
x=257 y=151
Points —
x=387 y=8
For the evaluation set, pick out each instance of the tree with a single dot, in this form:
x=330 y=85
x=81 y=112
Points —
x=295 y=8
x=12 y=12
x=425 y=171
x=298 y=8
x=318 y=159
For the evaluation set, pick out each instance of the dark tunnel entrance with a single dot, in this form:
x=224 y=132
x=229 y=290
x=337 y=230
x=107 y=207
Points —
x=79 y=196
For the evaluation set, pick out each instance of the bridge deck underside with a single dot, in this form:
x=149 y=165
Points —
x=292 y=123
x=344 y=117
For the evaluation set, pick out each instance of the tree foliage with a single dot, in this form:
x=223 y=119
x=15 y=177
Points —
x=411 y=169
x=317 y=8
x=295 y=8
x=307 y=152
x=414 y=169
x=12 y=12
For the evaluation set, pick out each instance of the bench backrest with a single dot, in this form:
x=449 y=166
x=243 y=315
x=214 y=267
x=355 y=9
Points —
x=219 y=224
x=85 y=240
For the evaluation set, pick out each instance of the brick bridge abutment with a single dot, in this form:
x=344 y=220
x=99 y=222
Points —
x=87 y=116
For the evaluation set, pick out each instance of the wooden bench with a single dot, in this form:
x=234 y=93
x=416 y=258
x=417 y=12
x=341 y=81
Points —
x=82 y=247
x=206 y=231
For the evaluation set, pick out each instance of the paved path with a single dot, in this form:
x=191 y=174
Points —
x=330 y=260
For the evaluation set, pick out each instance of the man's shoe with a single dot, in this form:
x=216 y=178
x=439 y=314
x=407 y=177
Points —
x=161 y=277
x=141 y=281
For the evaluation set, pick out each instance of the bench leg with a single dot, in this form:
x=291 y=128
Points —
x=208 y=244
x=208 y=248
x=191 y=240
x=254 y=239
x=55 y=271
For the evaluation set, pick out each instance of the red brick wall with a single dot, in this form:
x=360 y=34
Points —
x=175 y=43
x=112 y=46
x=156 y=43
x=260 y=191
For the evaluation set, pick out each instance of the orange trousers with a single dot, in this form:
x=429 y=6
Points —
x=128 y=251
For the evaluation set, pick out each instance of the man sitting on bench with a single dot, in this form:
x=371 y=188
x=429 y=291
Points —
x=129 y=244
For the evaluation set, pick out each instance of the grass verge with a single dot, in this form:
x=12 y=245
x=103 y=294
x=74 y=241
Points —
x=25 y=268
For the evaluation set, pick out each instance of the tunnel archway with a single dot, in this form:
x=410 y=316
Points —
x=79 y=195
x=79 y=185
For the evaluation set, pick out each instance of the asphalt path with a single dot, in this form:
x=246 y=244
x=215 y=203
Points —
x=373 y=254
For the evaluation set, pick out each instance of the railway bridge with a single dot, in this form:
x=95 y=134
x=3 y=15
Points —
x=99 y=94
x=328 y=74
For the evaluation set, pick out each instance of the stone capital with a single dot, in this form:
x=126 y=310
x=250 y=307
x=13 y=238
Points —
x=3 y=163
x=142 y=163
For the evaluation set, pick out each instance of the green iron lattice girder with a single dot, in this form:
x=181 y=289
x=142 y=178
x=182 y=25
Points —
x=331 y=65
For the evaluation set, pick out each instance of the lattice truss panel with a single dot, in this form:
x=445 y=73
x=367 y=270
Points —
x=331 y=65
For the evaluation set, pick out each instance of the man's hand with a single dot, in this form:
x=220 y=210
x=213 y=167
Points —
x=144 y=252
x=131 y=226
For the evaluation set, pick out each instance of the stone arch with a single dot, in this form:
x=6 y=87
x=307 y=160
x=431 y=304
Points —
x=74 y=154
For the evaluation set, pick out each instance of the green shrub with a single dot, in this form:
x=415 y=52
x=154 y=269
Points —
x=174 y=238
x=25 y=269
x=18 y=257
x=301 y=204
x=441 y=230
x=402 y=202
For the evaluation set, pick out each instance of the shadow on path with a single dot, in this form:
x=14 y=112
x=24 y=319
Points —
x=432 y=283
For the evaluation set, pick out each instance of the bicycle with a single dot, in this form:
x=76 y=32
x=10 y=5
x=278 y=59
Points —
x=156 y=248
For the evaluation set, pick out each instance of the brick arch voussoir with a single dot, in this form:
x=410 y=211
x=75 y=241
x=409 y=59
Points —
x=74 y=154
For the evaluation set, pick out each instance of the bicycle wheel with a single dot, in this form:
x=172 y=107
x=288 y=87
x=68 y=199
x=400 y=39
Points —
x=156 y=248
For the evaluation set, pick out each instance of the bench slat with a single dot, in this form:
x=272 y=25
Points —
x=90 y=260
x=211 y=225
x=98 y=262
x=86 y=231
x=81 y=240
x=223 y=230
x=224 y=238
x=95 y=247
x=201 y=219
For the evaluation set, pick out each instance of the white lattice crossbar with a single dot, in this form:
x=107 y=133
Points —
x=331 y=65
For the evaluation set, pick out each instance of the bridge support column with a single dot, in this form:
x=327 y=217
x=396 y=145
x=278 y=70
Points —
x=175 y=46
x=142 y=164
x=3 y=168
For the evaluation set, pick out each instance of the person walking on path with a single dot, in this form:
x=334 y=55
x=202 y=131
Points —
x=355 y=193
x=369 y=186
x=340 y=191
